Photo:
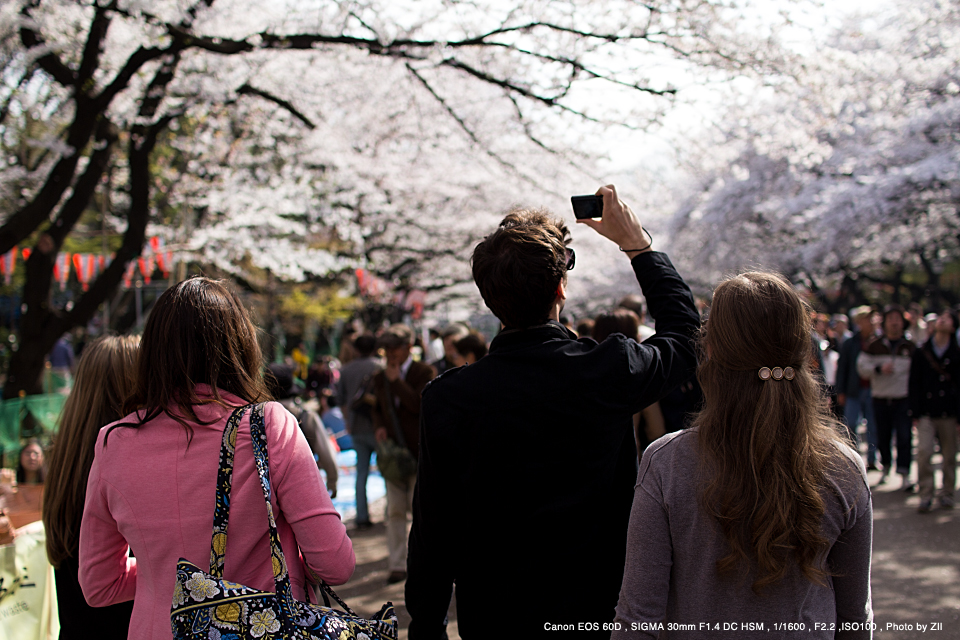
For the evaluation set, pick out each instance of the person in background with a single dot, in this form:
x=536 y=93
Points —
x=433 y=345
x=284 y=390
x=917 y=330
x=347 y=350
x=829 y=357
x=470 y=348
x=357 y=402
x=585 y=328
x=397 y=416
x=30 y=466
x=821 y=324
x=321 y=375
x=106 y=377
x=152 y=486
x=332 y=417
x=61 y=356
x=853 y=390
x=648 y=424
x=634 y=302
x=760 y=511
x=929 y=320
x=934 y=398
x=886 y=362
x=839 y=331
x=450 y=334
x=21 y=491
x=301 y=361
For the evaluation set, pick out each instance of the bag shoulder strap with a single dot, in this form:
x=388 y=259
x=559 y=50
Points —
x=221 y=514
x=218 y=546
x=281 y=577
x=258 y=437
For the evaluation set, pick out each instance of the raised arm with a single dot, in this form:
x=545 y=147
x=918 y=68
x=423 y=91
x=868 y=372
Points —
x=667 y=358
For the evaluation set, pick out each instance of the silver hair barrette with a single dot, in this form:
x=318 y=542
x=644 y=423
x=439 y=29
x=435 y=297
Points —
x=776 y=373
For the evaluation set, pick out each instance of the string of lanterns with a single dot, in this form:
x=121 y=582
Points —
x=87 y=266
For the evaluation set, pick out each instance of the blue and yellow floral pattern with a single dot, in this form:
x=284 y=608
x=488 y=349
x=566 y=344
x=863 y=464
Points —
x=207 y=607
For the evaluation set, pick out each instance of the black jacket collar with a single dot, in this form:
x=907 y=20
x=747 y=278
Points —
x=511 y=338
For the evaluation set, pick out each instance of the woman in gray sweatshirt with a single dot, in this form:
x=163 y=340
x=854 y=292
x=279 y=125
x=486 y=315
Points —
x=756 y=522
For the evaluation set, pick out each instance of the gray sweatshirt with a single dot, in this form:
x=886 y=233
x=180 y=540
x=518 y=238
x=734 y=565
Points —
x=671 y=588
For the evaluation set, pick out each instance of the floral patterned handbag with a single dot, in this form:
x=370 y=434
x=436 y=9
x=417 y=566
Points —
x=207 y=606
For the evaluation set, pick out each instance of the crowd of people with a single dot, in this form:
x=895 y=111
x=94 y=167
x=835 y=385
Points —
x=699 y=471
x=895 y=375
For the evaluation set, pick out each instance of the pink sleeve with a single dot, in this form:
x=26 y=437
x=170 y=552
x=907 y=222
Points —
x=107 y=574
x=303 y=499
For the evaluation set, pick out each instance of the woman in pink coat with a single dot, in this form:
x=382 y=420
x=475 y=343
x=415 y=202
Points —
x=152 y=486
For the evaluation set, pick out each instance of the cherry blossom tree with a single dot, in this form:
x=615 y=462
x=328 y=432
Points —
x=307 y=137
x=844 y=170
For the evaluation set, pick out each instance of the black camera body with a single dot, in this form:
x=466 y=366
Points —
x=587 y=207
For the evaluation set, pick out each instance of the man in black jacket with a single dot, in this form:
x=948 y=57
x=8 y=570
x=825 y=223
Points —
x=934 y=374
x=527 y=461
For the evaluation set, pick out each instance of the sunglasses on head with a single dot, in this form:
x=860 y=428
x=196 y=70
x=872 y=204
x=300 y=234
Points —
x=571 y=258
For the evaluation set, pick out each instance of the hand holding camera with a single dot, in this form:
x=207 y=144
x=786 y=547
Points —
x=616 y=221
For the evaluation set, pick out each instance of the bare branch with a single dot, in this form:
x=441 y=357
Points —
x=157 y=88
x=578 y=67
x=470 y=133
x=513 y=87
x=94 y=46
x=133 y=64
x=73 y=208
x=526 y=127
x=453 y=114
x=48 y=62
x=247 y=90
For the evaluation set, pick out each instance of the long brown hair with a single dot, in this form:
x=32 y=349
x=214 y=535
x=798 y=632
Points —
x=198 y=333
x=766 y=446
x=106 y=374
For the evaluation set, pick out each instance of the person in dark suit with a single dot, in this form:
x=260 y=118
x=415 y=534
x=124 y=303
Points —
x=934 y=399
x=527 y=461
x=397 y=416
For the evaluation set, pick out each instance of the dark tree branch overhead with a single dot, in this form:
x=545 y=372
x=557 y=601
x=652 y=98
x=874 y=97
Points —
x=131 y=67
x=69 y=214
x=526 y=127
x=247 y=90
x=464 y=126
x=63 y=192
x=413 y=49
x=48 y=62
x=137 y=218
x=90 y=60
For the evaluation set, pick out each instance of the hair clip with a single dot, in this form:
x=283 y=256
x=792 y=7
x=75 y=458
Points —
x=776 y=373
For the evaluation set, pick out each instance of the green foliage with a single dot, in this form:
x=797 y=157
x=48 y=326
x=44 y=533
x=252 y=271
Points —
x=325 y=305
